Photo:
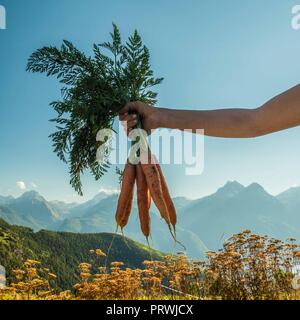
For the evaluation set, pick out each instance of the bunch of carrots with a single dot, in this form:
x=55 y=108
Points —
x=151 y=184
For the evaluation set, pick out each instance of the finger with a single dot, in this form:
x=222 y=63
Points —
x=129 y=131
x=123 y=117
x=128 y=117
x=131 y=123
x=129 y=107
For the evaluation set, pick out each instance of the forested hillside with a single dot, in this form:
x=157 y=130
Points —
x=62 y=252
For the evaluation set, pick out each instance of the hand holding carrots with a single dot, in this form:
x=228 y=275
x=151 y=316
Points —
x=148 y=114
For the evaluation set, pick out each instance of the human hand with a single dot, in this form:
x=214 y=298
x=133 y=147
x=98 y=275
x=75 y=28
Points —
x=148 y=115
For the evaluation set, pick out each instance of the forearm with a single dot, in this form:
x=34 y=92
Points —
x=227 y=123
x=280 y=113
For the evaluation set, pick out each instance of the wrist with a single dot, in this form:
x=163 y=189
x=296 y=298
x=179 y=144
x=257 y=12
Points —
x=160 y=115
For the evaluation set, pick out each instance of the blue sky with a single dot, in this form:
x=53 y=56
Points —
x=212 y=53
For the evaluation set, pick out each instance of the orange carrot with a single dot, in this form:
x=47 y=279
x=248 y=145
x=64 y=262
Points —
x=143 y=200
x=126 y=195
x=167 y=197
x=148 y=163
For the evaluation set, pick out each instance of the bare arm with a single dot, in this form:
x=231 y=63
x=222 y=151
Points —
x=281 y=112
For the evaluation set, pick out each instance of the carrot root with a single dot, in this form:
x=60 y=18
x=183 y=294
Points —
x=143 y=200
x=154 y=184
x=126 y=195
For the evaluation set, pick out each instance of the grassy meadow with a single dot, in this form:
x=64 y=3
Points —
x=248 y=267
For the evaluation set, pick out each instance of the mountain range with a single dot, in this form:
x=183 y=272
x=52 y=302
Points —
x=203 y=224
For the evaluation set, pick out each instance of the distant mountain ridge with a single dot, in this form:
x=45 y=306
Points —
x=222 y=214
x=202 y=223
x=5 y=200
